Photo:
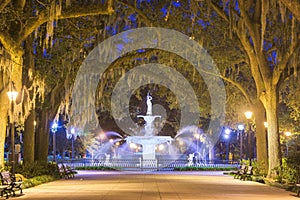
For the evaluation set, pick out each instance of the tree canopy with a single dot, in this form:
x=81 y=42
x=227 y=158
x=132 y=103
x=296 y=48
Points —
x=255 y=45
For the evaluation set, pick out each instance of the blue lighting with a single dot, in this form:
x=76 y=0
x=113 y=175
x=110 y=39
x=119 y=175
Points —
x=227 y=131
x=176 y=4
x=164 y=10
x=226 y=136
x=241 y=127
x=54 y=126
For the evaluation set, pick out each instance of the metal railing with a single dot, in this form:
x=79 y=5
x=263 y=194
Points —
x=138 y=164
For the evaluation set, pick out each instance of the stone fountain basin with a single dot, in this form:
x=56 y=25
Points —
x=148 y=140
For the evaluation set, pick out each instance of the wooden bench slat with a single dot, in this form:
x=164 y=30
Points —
x=66 y=172
x=11 y=183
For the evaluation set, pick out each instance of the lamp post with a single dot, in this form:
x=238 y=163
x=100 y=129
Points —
x=287 y=134
x=227 y=138
x=12 y=95
x=241 y=128
x=54 y=129
x=248 y=115
x=72 y=140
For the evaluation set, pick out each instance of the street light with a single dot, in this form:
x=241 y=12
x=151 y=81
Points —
x=117 y=144
x=161 y=147
x=12 y=95
x=54 y=129
x=227 y=131
x=133 y=146
x=287 y=134
x=241 y=128
x=227 y=138
x=248 y=115
x=72 y=139
x=266 y=124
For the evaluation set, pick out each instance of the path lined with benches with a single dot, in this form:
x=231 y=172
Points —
x=154 y=185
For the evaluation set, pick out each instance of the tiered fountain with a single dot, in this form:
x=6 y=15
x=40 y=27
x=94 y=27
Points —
x=149 y=140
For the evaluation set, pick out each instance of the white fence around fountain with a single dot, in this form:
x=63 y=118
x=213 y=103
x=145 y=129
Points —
x=139 y=164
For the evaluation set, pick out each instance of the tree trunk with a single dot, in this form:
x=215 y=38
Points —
x=42 y=137
x=3 y=124
x=3 y=113
x=29 y=137
x=261 y=137
x=29 y=131
x=274 y=153
x=13 y=74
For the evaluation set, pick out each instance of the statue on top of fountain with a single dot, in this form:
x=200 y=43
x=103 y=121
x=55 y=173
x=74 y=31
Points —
x=149 y=118
x=149 y=104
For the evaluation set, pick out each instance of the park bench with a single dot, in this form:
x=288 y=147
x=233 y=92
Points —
x=297 y=185
x=298 y=189
x=10 y=183
x=3 y=190
x=242 y=170
x=72 y=171
x=66 y=171
x=248 y=173
x=245 y=172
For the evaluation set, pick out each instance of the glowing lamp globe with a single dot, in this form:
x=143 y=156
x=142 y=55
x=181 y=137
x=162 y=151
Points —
x=248 y=114
x=241 y=127
x=12 y=95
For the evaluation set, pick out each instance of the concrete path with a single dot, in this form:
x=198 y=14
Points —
x=154 y=185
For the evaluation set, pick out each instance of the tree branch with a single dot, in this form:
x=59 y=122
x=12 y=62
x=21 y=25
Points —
x=219 y=11
x=293 y=6
x=250 y=24
x=286 y=58
x=10 y=45
x=249 y=49
x=3 y=4
x=244 y=22
x=237 y=85
x=139 y=12
x=286 y=73
x=73 y=12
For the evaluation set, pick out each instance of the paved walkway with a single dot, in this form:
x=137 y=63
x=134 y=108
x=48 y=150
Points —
x=154 y=185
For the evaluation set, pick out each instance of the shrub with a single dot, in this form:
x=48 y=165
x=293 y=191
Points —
x=35 y=173
x=37 y=169
x=288 y=172
x=37 y=181
x=259 y=168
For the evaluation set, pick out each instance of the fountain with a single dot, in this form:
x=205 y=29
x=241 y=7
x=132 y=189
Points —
x=109 y=149
x=149 y=140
